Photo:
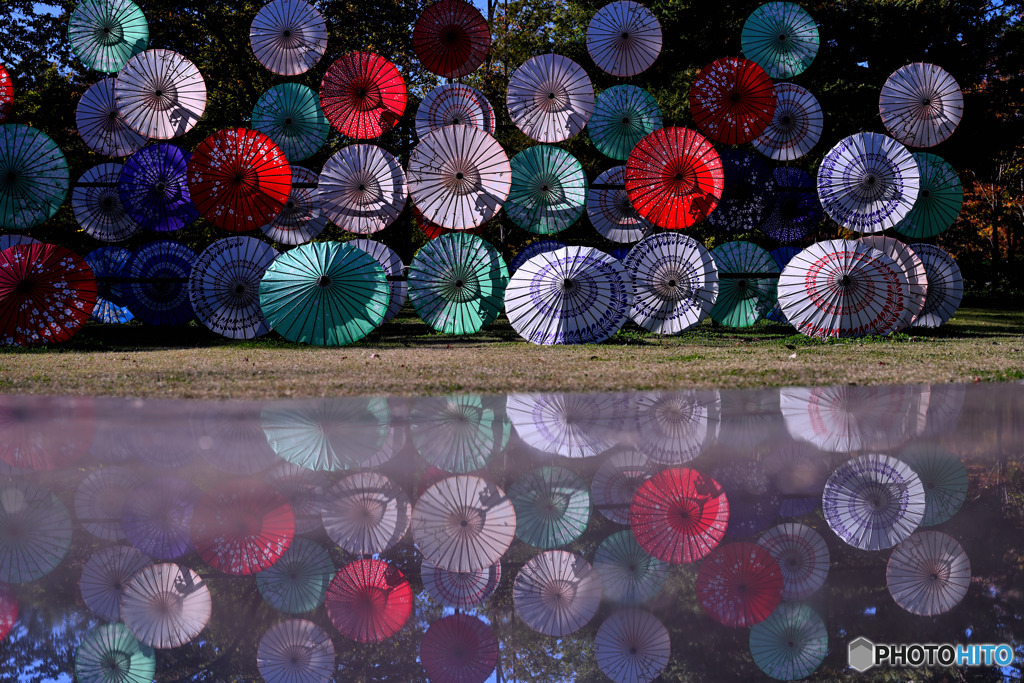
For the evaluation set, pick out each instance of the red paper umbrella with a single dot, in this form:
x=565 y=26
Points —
x=46 y=294
x=46 y=432
x=459 y=649
x=679 y=515
x=732 y=100
x=6 y=94
x=8 y=609
x=369 y=600
x=451 y=38
x=242 y=527
x=363 y=95
x=674 y=178
x=239 y=179
x=740 y=584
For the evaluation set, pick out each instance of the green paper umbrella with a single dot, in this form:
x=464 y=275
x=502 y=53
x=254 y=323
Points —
x=549 y=190
x=552 y=507
x=105 y=34
x=791 y=643
x=35 y=533
x=110 y=653
x=459 y=434
x=457 y=283
x=298 y=581
x=326 y=294
x=742 y=299
x=34 y=177
x=291 y=116
x=623 y=116
x=782 y=37
x=938 y=200
x=629 y=574
x=944 y=479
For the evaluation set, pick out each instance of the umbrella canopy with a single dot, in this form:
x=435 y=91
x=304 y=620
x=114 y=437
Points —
x=291 y=116
x=298 y=581
x=739 y=584
x=945 y=285
x=109 y=653
x=461 y=590
x=531 y=250
x=674 y=178
x=100 y=497
x=224 y=286
x=802 y=555
x=166 y=605
x=14 y=240
x=570 y=425
x=749 y=193
x=105 y=575
x=362 y=189
x=732 y=100
x=632 y=646
x=451 y=38
x=743 y=299
x=928 y=573
x=629 y=574
x=781 y=37
x=913 y=268
x=35 y=532
x=363 y=95
x=457 y=283
x=296 y=651
x=232 y=440
x=459 y=433
x=797 y=210
x=556 y=593
x=304 y=490
x=101 y=124
x=369 y=600
x=791 y=643
x=97 y=205
x=944 y=478
x=454 y=104
x=34 y=177
x=573 y=295
x=289 y=37
x=366 y=513
x=868 y=182
x=45 y=433
x=105 y=34
x=549 y=190
x=610 y=210
x=624 y=38
x=675 y=282
x=47 y=293
x=154 y=189
x=327 y=434
x=108 y=265
x=459 y=649
x=156 y=517
x=156 y=291
x=393 y=267
x=676 y=426
x=921 y=104
x=615 y=483
x=161 y=94
x=795 y=127
x=873 y=501
x=782 y=257
x=6 y=93
x=938 y=202
x=301 y=219
x=550 y=98
x=343 y=286
x=623 y=116
x=552 y=507
x=679 y=515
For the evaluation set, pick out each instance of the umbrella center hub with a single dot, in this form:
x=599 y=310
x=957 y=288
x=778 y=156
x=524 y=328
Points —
x=290 y=204
x=287 y=33
x=167 y=604
x=107 y=203
x=467 y=523
x=560 y=592
x=624 y=35
x=452 y=36
x=323 y=281
x=633 y=650
x=925 y=194
x=672 y=283
x=160 y=186
x=845 y=281
x=741 y=284
x=239 y=289
x=926 y=101
x=786 y=120
x=734 y=96
x=625 y=120
x=12 y=177
x=288 y=121
x=456 y=120
x=109 y=34
x=568 y=285
x=782 y=37
x=460 y=175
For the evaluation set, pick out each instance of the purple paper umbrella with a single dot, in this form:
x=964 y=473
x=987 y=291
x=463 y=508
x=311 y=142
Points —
x=157 y=517
x=749 y=193
x=154 y=190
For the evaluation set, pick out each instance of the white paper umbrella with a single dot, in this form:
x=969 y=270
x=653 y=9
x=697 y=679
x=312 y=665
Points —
x=463 y=523
x=459 y=177
x=160 y=94
x=301 y=218
x=97 y=205
x=362 y=189
x=921 y=104
x=366 y=513
x=842 y=419
x=573 y=295
x=615 y=483
x=101 y=124
x=945 y=285
x=874 y=501
x=105 y=576
x=460 y=589
x=624 y=38
x=166 y=605
x=675 y=282
x=454 y=104
x=550 y=98
x=632 y=646
x=928 y=573
x=802 y=555
x=570 y=425
x=288 y=36
x=675 y=427
x=791 y=643
x=556 y=593
x=868 y=182
x=296 y=651
x=795 y=127
x=913 y=268
x=610 y=210
x=225 y=286
x=393 y=266
x=100 y=497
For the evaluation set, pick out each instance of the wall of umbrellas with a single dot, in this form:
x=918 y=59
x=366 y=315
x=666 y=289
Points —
x=733 y=170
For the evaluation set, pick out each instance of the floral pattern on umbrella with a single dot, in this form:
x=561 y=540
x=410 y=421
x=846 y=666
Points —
x=732 y=100
x=739 y=584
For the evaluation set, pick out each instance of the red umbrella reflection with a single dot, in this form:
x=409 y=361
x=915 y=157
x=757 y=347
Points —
x=679 y=515
x=8 y=609
x=46 y=433
x=739 y=584
x=459 y=649
x=369 y=600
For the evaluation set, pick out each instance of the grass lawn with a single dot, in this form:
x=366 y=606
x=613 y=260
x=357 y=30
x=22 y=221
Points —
x=983 y=342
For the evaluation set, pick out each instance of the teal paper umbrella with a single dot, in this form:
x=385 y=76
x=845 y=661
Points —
x=938 y=200
x=552 y=507
x=549 y=190
x=629 y=574
x=297 y=582
x=110 y=653
x=791 y=643
x=459 y=434
x=743 y=298
x=290 y=115
x=782 y=37
x=623 y=116
x=326 y=294
x=105 y=34
x=457 y=283
x=944 y=479
x=34 y=177
x=35 y=533
x=327 y=435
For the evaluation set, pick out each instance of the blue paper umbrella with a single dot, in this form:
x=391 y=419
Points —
x=782 y=256
x=108 y=265
x=749 y=193
x=154 y=190
x=797 y=210
x=791 y=643
x=531 y=250
x=156 y=286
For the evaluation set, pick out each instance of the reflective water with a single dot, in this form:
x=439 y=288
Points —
x=509 y=538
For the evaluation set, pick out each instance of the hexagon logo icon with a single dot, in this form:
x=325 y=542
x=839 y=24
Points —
x=862 y=654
